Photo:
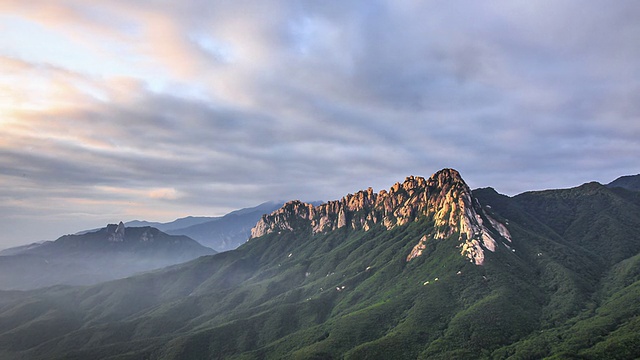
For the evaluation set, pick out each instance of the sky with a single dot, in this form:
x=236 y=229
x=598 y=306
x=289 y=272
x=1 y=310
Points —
x=151 y=109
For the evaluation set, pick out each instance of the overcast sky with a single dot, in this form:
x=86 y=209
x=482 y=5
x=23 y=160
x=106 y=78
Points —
x=117 y=110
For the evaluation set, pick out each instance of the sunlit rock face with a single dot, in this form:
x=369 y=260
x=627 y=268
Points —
x=444 y=197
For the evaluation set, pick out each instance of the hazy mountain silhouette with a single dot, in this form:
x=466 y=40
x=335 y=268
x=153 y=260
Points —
x=112 y=252
x=229 y=231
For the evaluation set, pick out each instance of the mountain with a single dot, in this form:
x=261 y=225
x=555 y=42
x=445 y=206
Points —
x=173 y=225
x=21 y=248
x=229 y=231
x=221 y=233
x=112 y=252
x=629 y=182
x=444 y=198
x=426 y=270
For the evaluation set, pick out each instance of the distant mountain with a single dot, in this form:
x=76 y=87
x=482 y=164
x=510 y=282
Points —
x=629 y=182
x=173 y=225
x=22 y=248
x=112 y=252
x=229 y=231
x=220 y=233
x=426 y=270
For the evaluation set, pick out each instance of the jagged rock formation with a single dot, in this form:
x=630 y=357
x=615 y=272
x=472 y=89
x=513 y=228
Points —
x=444 y=197
x=116 y=232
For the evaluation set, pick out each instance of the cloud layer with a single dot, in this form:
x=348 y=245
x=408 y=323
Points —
x=147 y=109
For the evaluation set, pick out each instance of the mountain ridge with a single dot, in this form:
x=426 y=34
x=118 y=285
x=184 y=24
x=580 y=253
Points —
x=444 y=197
x=172 y=225
x=229 y=231
x=629 y=182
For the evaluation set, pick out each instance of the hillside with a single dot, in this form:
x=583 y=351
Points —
x=110 y=253
x=426 y=270
x=629 y=182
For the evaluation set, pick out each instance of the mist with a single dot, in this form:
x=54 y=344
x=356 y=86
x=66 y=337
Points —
x=106 y=254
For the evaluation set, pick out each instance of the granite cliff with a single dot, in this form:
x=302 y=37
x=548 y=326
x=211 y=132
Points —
x=445 y=198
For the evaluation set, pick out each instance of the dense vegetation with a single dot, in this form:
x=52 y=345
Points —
x=568 y=288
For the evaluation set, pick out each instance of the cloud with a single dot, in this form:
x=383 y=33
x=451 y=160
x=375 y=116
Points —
x=217 y=105
x=164 y=194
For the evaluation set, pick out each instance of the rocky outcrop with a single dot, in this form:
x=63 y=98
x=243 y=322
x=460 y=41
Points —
x=444 y=197
x=116 y=232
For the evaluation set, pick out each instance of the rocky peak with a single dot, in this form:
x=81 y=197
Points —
x=444 y=197
x=116 y=232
